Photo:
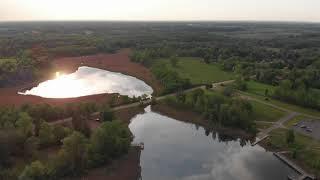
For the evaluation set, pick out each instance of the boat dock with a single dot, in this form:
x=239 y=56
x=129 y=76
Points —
x=258 y=140
x=303 y=175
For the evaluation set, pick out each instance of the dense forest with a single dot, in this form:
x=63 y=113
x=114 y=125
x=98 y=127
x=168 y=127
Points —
x=286 y=55
x=25 y=134
x=270 y=47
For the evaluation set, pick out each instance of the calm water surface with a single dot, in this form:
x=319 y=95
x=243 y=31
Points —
x=175 y=150
x=88 y=81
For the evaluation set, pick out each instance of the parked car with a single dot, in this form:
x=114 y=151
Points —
x=309 y=130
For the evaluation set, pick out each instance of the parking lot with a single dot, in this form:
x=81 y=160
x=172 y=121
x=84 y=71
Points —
x=309 y=127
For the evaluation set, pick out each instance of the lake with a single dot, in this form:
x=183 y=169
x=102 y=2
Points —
x=175 y=150
x=89 y=81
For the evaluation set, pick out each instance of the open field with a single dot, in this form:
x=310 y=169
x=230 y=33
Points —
x=284 y=105
x=197 y=71
x=257 y=88
x=264 y=112
x=263 y=125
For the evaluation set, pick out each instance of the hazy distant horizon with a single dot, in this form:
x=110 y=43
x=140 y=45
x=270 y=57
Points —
x=161 y=10
x=168 y=21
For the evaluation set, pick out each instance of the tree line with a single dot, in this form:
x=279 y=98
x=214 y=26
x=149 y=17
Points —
x=218 y=109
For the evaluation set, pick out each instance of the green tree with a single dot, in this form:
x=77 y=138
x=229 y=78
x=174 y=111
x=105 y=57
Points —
x=107 y=114
x=110 y=140
x=35 y=171
x=80 y=123
x=60 y=132
x=31 y=146
x=46 y=137
x=290 y=137
x=181 y=97
x=228 y=91
x=174 y=61
x=240 y=84
x=4 y=149
x=72 y=159
x=24 y=124
x=266 y=92
x=195 y=94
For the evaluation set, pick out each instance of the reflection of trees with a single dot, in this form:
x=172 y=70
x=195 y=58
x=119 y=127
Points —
x=221 y=136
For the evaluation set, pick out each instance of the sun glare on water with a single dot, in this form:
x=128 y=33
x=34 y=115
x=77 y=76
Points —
x=63 y=86
x=88 y=81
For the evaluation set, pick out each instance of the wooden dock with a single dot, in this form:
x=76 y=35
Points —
x=303 y=175
x=258 y=140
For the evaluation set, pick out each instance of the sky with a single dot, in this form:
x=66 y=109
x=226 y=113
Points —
x=160 y=10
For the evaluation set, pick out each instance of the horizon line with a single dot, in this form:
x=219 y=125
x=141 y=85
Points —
x=92 y=20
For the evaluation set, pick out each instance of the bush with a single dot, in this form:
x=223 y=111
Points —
x=46 y=137
x=35 y=171
x=60 y=132
x=110 y=140
x=72 y=158
x=228 y=91
x=107 y=114
x=290 y=136
x=240 y=84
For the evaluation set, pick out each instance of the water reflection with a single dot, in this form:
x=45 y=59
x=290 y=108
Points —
x=88 y=81
x=177 y=150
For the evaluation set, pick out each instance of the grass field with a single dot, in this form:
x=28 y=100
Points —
x=285 y=105
x=197 y=71
x=295 y=120
x=267 y=113
x=259 y=88
x=263 y=125
x=307 y=149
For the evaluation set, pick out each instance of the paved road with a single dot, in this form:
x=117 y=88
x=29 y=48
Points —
x=276 y=125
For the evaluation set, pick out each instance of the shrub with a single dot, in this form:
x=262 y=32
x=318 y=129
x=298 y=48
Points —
x=110 y=140
x=35 y=171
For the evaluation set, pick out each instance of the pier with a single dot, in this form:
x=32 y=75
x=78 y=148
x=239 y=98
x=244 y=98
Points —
x=303 y=175
x=258 y=140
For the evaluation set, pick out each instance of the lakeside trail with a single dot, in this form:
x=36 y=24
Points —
x=144 y=102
